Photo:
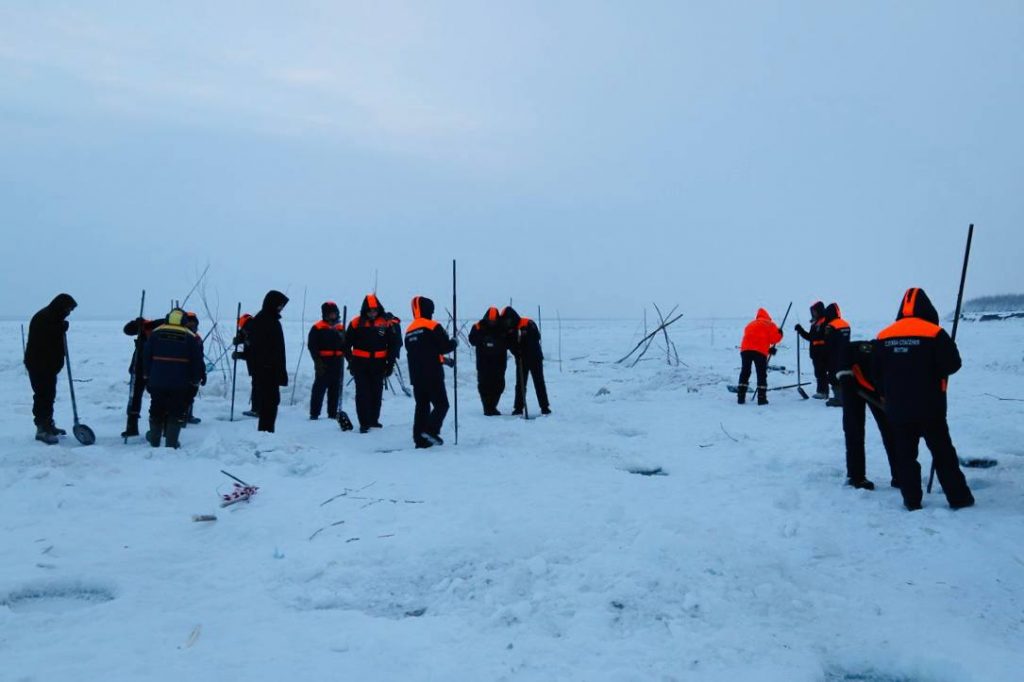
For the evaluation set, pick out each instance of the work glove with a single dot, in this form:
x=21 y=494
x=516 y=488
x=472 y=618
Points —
x=236 y=355
x=799 y=328
x=449 y=362
x=455 y=343
x=773 y=350
x=202 y=381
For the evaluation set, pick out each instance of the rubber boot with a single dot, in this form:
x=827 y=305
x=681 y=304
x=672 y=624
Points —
x=156 y=430
x=132 y=428
x=172 y=434
x=741 y=395
x=43 y=435
x=762 y=395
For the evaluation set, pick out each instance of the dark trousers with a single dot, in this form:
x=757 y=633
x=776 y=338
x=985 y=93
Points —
x=490 y=382
x=760 y=363
x=431 y=408
x=524 y=370
x=328 y=380
x=854 y=418
x=820 y=364
x=369 y=394
x=906 y=438
x=168 y=404
x=135 y=403
x=268 y=395
x=44 y=392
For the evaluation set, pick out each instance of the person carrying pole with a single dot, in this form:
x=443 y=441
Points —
x=915 y=358
x=44 y=359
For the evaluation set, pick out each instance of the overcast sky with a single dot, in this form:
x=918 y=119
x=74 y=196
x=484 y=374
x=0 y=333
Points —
x=587 y=156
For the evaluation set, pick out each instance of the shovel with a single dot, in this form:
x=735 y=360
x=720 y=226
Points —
x=82 y=432
x=799 y=388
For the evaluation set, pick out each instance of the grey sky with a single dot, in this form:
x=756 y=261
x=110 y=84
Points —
x=586 y=156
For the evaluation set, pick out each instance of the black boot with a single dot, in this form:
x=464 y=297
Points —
x=156 y=431
x=172 y=434
x=132 y=429
x=762 y=395
x=52 y=428
x=741 y=395
x=860 y=483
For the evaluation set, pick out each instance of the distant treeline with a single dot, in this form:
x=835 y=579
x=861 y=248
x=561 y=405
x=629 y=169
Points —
x=1000 y=303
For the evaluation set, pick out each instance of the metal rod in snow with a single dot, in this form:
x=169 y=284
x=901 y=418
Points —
x=234 y=360
x=194 y=286
x=963 y=280
x=302 y=329
x=455 y=355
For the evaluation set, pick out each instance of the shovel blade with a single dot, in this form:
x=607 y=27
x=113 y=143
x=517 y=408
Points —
x=803 y=394
x=343 y=421
x=84 y=434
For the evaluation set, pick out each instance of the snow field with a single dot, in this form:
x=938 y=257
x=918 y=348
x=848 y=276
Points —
x=527 y=552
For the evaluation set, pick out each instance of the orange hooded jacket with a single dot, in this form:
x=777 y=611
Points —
x=761 y=334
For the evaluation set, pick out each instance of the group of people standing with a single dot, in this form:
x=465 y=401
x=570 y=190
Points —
x=371 y=343
x=900 y=376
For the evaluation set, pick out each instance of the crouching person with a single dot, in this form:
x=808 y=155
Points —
x=173 y=361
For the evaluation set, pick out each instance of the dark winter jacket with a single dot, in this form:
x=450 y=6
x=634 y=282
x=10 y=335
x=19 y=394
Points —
x=426 y=344
x=837 y=338
x=242 y=339
x=914 y=358
x=372 y=345
x=816 y=335
x=858 y=364
x=523 y=337
x=490 y=339
x=132 y=328
x=326 y=340
x=266 y=352
x=173 y=356
x=44 y=350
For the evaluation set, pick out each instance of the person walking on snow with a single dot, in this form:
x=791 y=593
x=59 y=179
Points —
x=759 y=339
x=426 y=344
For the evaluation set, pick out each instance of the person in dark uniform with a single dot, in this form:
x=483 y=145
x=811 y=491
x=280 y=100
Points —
x=173 y=362
x=192 y=324
x=836 y=335
x=759 y=339
x=372 y=347
x=523 y=337
x=266 y=355
x=44 y=359
x=326 y=343
x=816 y=341
x=859 y=395
x=140 y=329
x=490 y=339
x=242 y=339
x=914 y=360
x=426 y=344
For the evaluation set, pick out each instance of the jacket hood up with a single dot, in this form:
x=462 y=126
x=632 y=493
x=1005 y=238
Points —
x=817 y=310
x=371 y=302
x=62 y=305
x=916 y=303
x=510 y=316
x=422 y=307
x=274 y=300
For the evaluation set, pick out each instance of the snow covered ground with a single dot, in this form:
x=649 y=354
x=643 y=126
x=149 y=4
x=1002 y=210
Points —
x=527 y=552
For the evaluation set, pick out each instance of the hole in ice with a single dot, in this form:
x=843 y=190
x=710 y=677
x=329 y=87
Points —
x=55 y=598
x=648 y=471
